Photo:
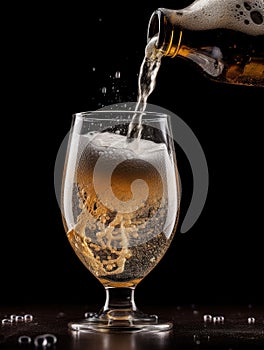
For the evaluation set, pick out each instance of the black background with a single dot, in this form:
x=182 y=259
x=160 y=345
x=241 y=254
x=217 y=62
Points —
x=49 y=58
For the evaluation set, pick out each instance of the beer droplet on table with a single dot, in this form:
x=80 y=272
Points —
x=207 y=318
x=251 y=320
x=6 y=321
x=51 y=339
x=218 y=319
x=24 y=339
x=19 y=318
x=40 y=340
x=28 y=317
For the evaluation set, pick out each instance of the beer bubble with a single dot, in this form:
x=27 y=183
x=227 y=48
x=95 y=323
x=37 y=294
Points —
x=256 y=17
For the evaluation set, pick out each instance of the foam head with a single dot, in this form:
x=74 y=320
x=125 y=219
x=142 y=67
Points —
x=239 y=15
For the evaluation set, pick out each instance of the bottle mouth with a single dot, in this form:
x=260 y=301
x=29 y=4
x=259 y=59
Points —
x=168 y=37
x=156 y=28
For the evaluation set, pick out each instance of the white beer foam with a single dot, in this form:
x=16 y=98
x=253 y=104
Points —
x=244 y=16
x=110 y=143
x=112 y=149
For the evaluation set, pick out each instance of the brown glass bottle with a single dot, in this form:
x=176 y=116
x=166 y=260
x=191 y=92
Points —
x=224 y=54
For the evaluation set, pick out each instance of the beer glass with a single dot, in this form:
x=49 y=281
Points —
x=120 y=207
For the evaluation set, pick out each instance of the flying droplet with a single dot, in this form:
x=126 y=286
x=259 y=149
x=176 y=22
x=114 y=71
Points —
x=104 y=90
x=117 y=75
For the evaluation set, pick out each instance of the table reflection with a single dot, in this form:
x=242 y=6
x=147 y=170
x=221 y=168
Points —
x=120 y=341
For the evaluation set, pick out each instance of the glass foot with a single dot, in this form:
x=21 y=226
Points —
x=120 y=314
x=112 y=323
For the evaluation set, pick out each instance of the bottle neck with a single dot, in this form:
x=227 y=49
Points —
x=168 y=36
x=169 y=41
x=223 y=55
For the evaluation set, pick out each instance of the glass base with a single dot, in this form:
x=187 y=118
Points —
x=131 y=323
x=120 y=314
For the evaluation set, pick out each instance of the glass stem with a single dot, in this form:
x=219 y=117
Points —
x=120 y=299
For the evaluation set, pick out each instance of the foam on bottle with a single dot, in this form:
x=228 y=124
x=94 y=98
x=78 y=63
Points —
x=244 y=16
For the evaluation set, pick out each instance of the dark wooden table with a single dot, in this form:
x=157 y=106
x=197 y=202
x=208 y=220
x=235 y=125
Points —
x=230 y=327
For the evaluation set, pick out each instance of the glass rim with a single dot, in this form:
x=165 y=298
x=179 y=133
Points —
x=95 y=114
